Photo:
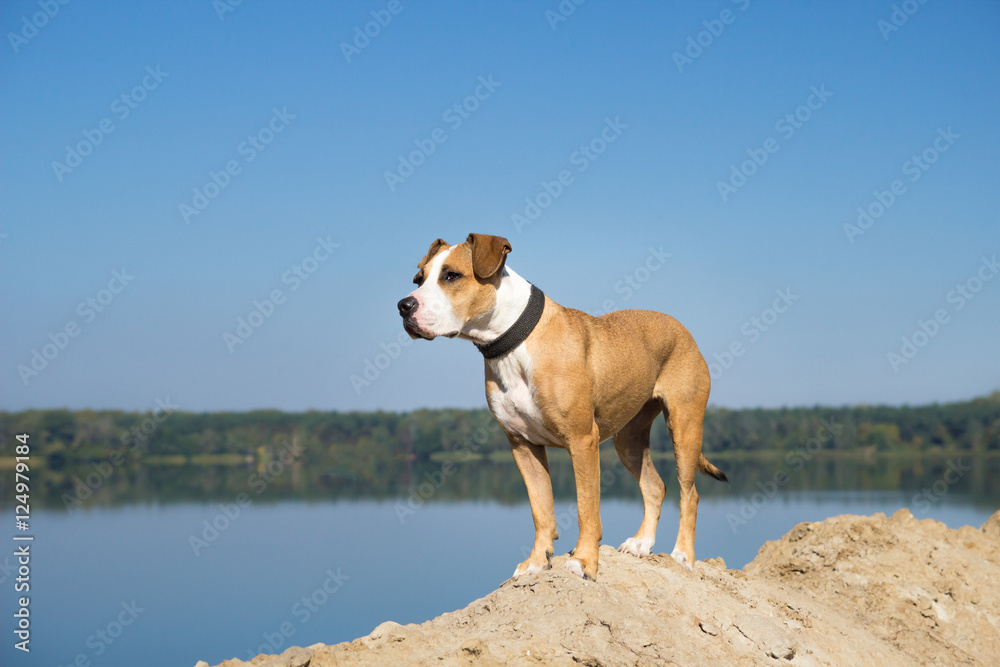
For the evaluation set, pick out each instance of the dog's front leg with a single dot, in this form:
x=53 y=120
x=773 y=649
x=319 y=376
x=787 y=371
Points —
x=534 y=466
x=584 y=453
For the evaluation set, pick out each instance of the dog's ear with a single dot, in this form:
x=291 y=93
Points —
x=419 y=278
x=430 y=253
x=488 y=254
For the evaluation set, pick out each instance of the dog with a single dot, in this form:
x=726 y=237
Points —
x=558 y=377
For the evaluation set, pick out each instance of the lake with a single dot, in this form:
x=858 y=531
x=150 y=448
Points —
x=167 y=565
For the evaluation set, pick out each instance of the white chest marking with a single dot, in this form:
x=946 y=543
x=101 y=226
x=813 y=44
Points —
x=512 y=402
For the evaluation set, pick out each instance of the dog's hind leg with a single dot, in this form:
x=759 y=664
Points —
x=685 y=419
x=632 y=445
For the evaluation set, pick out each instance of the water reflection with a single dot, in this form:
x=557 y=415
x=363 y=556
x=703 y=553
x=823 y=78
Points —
x=81 y=486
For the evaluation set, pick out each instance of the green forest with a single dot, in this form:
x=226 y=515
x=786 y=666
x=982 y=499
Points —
x=360 y=439
x=86 y=458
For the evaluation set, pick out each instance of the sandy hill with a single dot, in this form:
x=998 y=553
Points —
x=850 y=590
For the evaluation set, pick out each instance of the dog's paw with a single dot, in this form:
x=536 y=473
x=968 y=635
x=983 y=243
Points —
x=574 y=566
x=534 y=565
x=577 y=567
x=637 y=547
x=681 y=558
x=527 y=567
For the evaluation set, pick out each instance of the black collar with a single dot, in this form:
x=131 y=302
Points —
x=519 y=332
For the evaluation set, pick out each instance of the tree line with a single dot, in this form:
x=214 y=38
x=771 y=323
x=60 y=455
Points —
x=363 y=442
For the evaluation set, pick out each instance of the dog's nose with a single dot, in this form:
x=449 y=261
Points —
x=407 y=306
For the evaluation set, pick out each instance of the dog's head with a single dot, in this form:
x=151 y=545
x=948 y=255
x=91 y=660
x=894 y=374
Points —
x=455 y=285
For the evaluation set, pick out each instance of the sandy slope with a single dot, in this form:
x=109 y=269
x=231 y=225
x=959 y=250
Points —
x=850 y=590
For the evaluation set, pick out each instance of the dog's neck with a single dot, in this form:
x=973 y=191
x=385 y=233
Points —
x=512 y=298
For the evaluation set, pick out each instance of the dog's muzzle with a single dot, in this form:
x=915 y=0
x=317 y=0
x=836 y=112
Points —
x=407 y=310
x=407 y=306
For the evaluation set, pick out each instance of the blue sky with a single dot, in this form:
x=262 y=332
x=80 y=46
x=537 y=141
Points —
x=648 y=107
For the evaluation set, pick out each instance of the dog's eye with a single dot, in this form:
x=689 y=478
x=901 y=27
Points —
x=451 y=276
x=418 y=279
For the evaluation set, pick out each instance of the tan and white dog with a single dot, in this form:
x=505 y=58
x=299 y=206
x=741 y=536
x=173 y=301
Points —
x=558 y=377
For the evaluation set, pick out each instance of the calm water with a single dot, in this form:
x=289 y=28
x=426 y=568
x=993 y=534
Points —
x=118 y=582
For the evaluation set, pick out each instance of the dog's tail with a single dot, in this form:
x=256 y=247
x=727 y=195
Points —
x=706 y=467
